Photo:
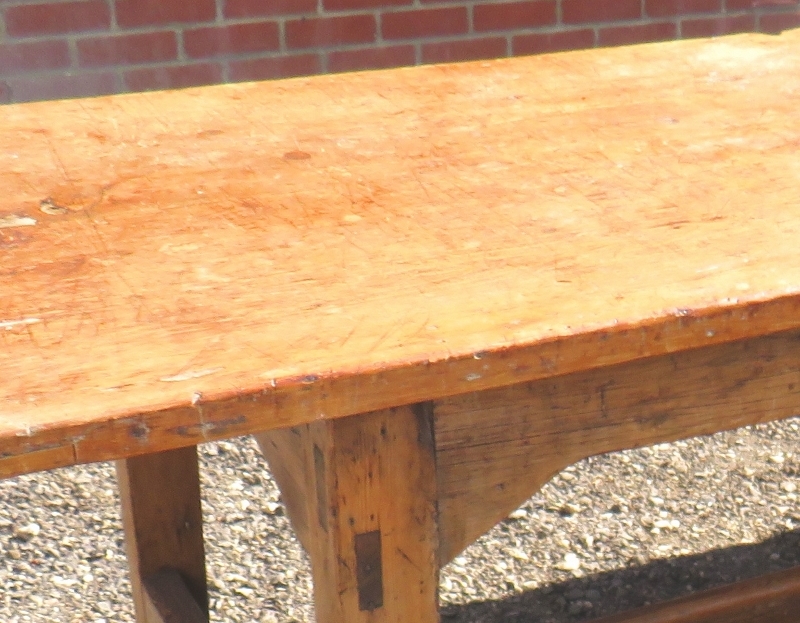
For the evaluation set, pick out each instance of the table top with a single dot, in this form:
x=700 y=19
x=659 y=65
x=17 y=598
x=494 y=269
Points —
x=190 y=265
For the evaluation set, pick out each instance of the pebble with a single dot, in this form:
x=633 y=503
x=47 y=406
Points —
x=27 y=532
x=570 y=563
x=274 y=508
x=518 y=554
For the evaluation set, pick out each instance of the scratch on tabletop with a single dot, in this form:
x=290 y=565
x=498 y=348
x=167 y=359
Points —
x=422 y=186
x=10 y=324
x=12 y=220
x=156 y=114
x=189 y=374
x=349 y=335
x=27 y=432
x=58 y=161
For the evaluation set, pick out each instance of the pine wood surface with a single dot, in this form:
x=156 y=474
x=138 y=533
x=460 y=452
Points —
x=163 y=523
x=166 y=599
x=368 y=479
x=496 y=448
x=365 y=507
x=191 y=265
x=770 y=598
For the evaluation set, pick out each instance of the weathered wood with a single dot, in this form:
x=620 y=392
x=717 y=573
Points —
x=291 y=456
x=368 y=497
x=496 y=448
x=179 y=266
x=163 y=524
x=168 y=600
x=771 y=598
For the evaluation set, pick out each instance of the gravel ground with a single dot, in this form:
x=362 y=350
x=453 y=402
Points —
x=610 y=533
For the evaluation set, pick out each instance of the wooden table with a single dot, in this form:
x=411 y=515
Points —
x=427 y=290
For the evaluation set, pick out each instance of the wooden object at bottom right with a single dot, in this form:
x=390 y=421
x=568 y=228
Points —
x=496 y=448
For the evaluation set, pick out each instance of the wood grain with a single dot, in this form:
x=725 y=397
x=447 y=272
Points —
x=770 y=598
x=168 y=600
x=163 y=524
x=293 y=464
x=496 y=448
x=368 y=518
x=183 y=266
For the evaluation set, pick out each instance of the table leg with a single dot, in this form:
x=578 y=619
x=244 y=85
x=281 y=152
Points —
x=164 y=536
x=362 y=491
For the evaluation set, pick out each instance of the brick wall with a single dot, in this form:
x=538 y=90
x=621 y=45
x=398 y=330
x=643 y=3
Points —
x=68 y=48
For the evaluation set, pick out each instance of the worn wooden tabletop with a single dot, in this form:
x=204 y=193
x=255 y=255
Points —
x=196 y=264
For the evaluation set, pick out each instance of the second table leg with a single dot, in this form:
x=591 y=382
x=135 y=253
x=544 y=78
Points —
x=164 y=535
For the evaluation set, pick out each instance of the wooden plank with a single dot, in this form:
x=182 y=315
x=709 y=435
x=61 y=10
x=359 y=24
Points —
x=496 y=448
x=369 y=501
x=291 y=457
x=168 y=600
x=163 y=525
x=770 y=598
x=427 y=232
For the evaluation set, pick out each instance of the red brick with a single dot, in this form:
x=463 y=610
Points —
x=41 y=55
x=127 y=49
x=262 y=8
x=464 y=50
x=235 y=39
x=715 y=26
x=371 y=58
x=425 y=23
x=133 y=13
x=665 y=8
x=59 y=86
x=540 y=43
x=28 y=20
x=330 y=31
x=582 y=11
x=639 y=33
x=513 y=15
x=172 y=77
x=277 y=67
x=349 y=5
x=776 y=22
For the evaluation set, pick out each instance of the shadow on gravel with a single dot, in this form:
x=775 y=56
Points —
x=601 y=594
